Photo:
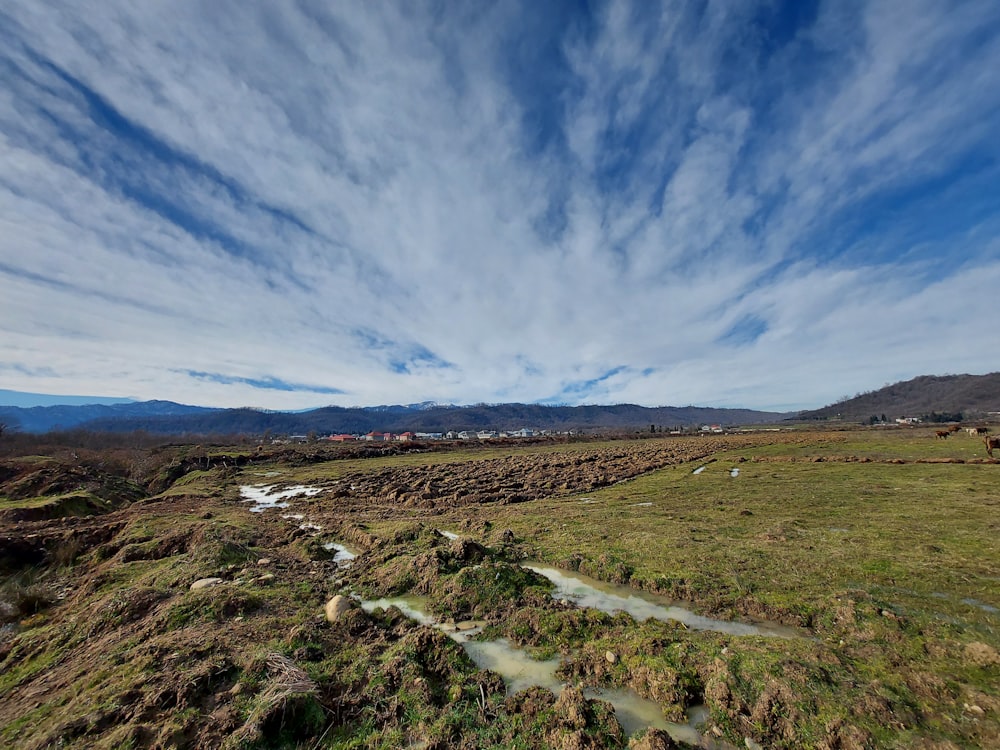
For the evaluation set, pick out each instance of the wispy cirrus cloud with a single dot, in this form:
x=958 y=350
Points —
x=750 y=204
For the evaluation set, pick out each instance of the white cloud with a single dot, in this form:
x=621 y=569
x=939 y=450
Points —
x=347 y=196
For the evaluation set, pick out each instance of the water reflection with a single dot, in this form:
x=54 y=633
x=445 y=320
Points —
x=608 y=597
x=266 y=497
x=343 y=555
x=519 y=671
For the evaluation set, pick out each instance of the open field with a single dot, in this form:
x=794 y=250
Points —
x=878 y=550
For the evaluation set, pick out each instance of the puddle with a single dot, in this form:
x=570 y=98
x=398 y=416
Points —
x=265 y=497
x=411 y=606
x=448 y=534
x=699 y=470
x=292 y=516
x=968 y=601
x=641 y=505
x=344 y=555
x=608 y=597
x=734 y=472
x=982 y=605
x=314 y=527
x=587 y=501
x=520 y=671
x=635 y=713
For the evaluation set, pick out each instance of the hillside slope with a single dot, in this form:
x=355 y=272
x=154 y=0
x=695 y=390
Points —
x=973 y=396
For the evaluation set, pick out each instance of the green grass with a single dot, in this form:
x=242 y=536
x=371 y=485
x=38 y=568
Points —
x=889 y=567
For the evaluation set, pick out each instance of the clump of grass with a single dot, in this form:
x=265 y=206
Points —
x=287 y=709
x=485 y=589
x=24 y=596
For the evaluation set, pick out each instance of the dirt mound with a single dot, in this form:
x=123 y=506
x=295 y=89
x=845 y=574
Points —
x=37 y=488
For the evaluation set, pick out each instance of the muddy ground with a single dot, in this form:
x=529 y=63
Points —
x=105 y=644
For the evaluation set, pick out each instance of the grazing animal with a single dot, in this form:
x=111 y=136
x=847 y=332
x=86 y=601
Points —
x=991 y=443
x=954 y=428
x=942 y=434
x=982 y=430
x=974 y=431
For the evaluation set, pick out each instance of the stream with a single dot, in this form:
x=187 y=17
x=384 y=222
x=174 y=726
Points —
x=585 y=591
x=519 y=671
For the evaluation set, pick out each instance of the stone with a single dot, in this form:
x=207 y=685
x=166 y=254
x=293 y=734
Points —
x=611 y=656
x=204 y=583
x=337 y=606
x=264 y=561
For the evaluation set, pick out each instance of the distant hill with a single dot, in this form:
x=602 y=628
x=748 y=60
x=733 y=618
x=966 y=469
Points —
x=68 y=417
x=175 y=419
x=971 y=395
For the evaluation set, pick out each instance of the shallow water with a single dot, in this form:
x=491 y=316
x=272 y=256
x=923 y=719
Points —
x=266 y=497
x=585 y=591
x=413 y=607
x=447 y=534
x=519 y=671
x=344 y=555
x=734 y=472
x=699 y=470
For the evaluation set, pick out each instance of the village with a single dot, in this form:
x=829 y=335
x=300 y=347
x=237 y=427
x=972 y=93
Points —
x=524 y=432
x=450 y=435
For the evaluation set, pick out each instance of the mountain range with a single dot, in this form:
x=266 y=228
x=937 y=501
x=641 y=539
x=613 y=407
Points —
x=972 y=396
x=165 y=417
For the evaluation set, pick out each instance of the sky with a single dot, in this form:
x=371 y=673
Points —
x=731 y=203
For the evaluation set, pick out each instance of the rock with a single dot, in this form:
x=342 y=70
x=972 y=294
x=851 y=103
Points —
x=611 y=656
x=264 y=561
x=752 y=744
x=267 y=579
x=204 y=583
x=337 y=606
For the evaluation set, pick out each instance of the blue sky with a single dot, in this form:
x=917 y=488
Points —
x=757 y=204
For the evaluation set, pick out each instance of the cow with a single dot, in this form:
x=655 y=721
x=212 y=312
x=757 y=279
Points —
x=982 y=430
x=942 y=434
x=954 y=428
x=991 y=443
x=974 y=431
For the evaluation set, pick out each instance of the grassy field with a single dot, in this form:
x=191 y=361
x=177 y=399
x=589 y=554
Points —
x=881 y=547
